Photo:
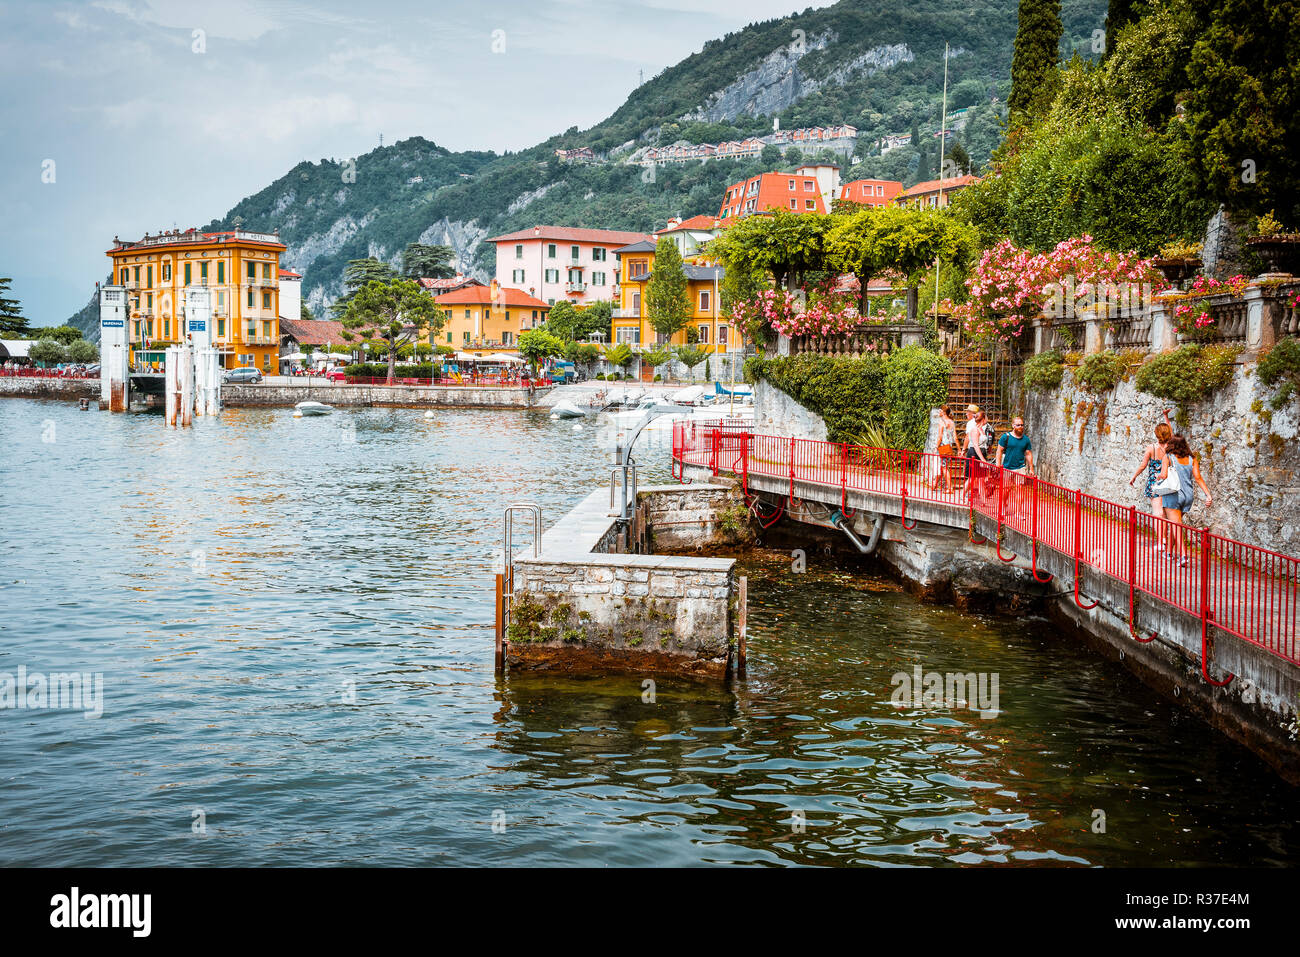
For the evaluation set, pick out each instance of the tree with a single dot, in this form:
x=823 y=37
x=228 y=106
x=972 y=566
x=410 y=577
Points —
x=785 y=245
x=770 y=156
x=562 y=321
x=959 y=157
x=48 y=352
x=690 y=356
x=794 y=156
x=420 y=261
x=1242 y=111
x=656 y=357
x=620 y=355
x=668 y=300
x=64 y=335
x=356 y=274
x=1035 y=54
x=538 y=345
x=303 y=311
x=12 y=323
x=83 y=351
x=1119 y=13
x=582 y=354
x=393 y=312
x=594 y=319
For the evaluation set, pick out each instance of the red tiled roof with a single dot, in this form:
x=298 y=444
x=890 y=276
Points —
x=289 y=273
x=695 y=222
x=854 y=193
x=932 y=185
x=481 y=295
x=566 y=234
x=313 y=331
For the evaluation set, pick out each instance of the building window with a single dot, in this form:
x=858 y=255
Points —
x=266 y=300
x=704 y=334
x=221 y=271
x=252 y=331
x=187 y=273
x=221 y=302
x=166 y=272
x=810 y=204
x=266 y=271
x=790 y=183
x=575 y=275
x=150 y=327
x=704 y=300
x=722 y=335
x=167 y=328
x=203 y=272
x=807 y=186
x=126 y=276
x=598 y=254
x=466 y=313
x=505 y=338
x=449 y=338
x=550 y=250
x=252 y=271
x=250 y=299
x=221 y=328
x=880 y=191
x=519 y=250
x=266 y=330
x=794 y=204
x=467 y=335
x=552 y=275
x=149 y=302
x=598 y=279
x=517 y=275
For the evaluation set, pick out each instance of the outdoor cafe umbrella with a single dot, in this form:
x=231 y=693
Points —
x=503 y=357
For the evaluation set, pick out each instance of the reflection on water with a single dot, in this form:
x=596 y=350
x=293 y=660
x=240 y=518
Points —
x=293 y=620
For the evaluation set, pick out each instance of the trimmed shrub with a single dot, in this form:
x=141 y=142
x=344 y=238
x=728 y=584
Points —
x=1188 y=374
x=1281 y=364
x=1044 y=371
x=916 y=380
x=847 y=393
x=1101 y=371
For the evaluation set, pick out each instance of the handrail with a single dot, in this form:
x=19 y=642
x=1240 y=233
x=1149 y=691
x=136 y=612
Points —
x=1247 y=591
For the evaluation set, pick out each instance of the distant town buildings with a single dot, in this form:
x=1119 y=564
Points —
x=556 y=263
x=751 y=147
x=440 y=286
x=934 y=192
x=581 y=154
x=241 y=268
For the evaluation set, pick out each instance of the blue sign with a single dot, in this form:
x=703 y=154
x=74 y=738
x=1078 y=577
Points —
x=198 y=325
x=110 y=324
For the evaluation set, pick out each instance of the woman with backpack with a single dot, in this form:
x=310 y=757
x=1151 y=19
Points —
x=1180 y=466
x=1152 y=462
x=947 y=448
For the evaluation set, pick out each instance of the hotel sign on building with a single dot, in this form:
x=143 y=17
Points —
x=241 y=268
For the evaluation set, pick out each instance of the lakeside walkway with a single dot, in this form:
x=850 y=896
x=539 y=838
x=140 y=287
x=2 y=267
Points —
x=1245 y=590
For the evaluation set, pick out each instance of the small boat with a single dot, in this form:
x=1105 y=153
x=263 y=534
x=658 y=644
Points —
x=311 y=408
x=567 y=410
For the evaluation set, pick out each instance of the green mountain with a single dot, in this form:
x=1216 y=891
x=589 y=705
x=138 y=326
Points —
x=877 y=66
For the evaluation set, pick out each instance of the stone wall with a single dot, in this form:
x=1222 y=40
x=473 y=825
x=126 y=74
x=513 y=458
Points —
x=691 y=516
x=32 y=387
x=338 y=394
x=775 y=413
x=1248 y=453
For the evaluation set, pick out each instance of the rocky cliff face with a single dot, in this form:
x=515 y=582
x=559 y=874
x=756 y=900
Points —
x=777 y=82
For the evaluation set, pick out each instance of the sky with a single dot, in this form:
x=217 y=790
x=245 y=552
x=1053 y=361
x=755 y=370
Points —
x=121 y=117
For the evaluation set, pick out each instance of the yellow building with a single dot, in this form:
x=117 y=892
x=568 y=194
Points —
x=632 y=326
x=489 y=318
x=241 y=268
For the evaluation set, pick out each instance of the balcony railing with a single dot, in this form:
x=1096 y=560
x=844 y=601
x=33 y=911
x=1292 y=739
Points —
x=626 y=313
x=572 y=287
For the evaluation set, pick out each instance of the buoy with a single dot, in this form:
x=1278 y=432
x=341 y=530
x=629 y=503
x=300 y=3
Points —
x=577 y=428
x=428 y=415
x=297 y=414
x=555 y=418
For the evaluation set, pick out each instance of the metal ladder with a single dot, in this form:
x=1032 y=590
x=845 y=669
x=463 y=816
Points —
x=506 y=578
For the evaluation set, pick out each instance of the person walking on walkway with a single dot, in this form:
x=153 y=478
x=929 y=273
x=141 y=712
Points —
x=1180 y=461
x=1015 y=455
x=947 y=448
x=975 y=459
x=1152 y=462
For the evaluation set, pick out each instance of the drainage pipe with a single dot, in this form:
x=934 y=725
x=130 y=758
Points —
x=840 y=522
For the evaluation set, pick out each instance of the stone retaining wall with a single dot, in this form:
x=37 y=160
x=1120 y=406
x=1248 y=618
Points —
x=32 y=387
x=338 y=394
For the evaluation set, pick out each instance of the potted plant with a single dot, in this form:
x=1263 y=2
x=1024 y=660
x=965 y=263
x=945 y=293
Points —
x=1279 y=249
x=1179 y=260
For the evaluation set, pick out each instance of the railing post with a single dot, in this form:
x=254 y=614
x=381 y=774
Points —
x=714 y=462
x=1207 y=613
x=792 y=468
x=844 y=475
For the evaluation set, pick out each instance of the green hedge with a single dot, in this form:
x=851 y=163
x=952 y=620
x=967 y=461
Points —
x=1282 y=364
x=1101 y=371
x=893 y=394
x=1044 y=371
x=1188 y=374
x=379 y=370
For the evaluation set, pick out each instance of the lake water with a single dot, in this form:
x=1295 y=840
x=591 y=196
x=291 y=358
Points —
x=293 y=623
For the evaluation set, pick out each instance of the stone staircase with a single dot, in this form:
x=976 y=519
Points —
x=975 y=380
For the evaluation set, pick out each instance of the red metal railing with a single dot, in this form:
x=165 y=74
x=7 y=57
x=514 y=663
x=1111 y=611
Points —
x=1247 y=591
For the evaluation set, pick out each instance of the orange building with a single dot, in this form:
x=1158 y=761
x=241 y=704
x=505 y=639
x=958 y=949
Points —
x=489 y=317
x=934 y=193
x=631 y=324
x=241 y=268
x=871 y=192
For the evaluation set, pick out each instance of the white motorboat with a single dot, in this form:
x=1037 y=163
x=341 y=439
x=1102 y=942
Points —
x=567 y=410
x=311 y=408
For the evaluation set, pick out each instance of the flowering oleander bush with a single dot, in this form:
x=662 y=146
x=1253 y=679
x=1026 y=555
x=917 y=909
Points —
x=1192 y=316
x=1010 y=286
x=770 y=310
x=825 y=314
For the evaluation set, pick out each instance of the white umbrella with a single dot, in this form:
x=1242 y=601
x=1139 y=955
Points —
x=503 y=357
x=292 y=357
x=466 y=357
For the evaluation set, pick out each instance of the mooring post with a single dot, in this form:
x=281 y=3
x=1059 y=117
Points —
x=742 y=623
x=500 y=625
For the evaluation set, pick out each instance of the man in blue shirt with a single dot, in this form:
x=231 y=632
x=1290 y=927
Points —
x=1015 y=454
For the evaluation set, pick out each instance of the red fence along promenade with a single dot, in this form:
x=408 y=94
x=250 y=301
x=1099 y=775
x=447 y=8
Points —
x=1242 y=589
